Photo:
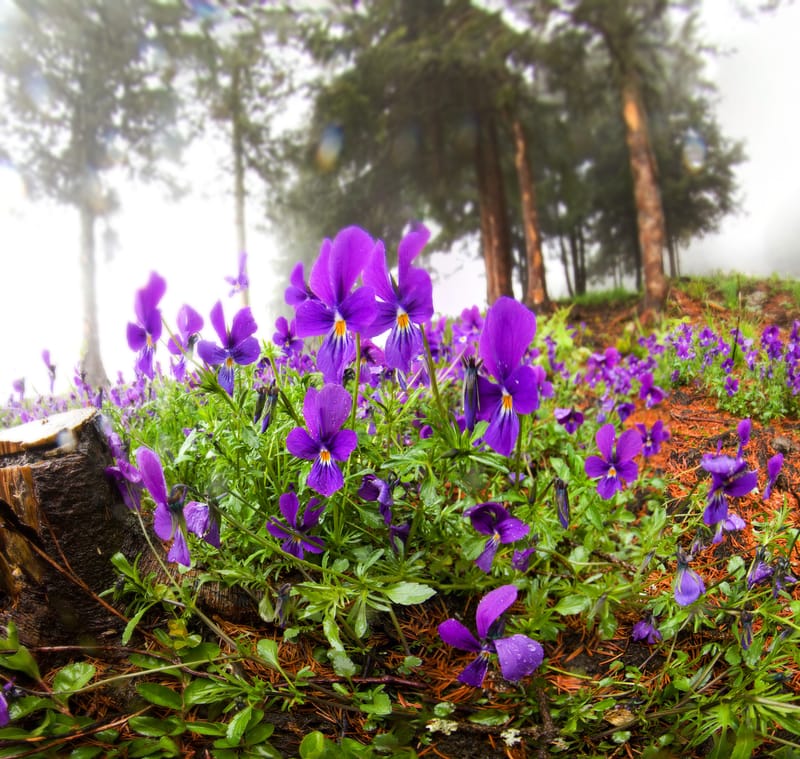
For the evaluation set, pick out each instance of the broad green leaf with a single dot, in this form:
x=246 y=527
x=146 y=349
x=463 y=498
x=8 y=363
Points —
x=160 y=695
x=572 y=605
x=268 y=651
x=313 y=746
x=342 y=663
x=86 y=752
x=238 y=725
x=16 y=657
x=408 y=593
x=73 y=677
x=149 y=726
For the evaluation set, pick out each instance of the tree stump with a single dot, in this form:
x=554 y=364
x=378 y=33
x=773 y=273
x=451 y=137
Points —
x=61 y=520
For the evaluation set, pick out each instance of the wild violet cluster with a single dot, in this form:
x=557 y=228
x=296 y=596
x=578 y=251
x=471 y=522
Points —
x=351 y=300
x=364 y=340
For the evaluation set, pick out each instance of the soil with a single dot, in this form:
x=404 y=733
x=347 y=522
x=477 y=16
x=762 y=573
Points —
x=578 y=660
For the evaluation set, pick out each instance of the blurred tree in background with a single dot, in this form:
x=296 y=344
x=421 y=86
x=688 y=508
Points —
x=578 y=132
x=89 y=96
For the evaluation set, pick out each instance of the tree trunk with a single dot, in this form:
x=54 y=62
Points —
x=495 y=235
x=565 y=263
x=649 y=211
x=94 y=372
x=239 y=192
x=535 y=292
x=60 y=523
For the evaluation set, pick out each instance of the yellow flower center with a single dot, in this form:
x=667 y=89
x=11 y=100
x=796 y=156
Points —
x=325 y=456
x=403 y=322
x=508 y=402
x=339 y=327
x=228 y=362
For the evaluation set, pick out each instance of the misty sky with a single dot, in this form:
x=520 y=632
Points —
x=192 y=244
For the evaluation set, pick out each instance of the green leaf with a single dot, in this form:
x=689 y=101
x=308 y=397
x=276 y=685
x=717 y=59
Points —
x=87 y=752
x=268 y=651
x=17 y=657
x=216 y=729
x=380 y=705
x=73 y=677
x=160 y=695
x=149 y=726
x=313 y=746
x=342 y=663
x=204 y=692
x=238 y=725
x=572 y=605
x=131 y=626
x=408 y=593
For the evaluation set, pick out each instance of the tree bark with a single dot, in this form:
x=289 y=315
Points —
x=495 y=235
x=91 y=362
x=535 y=295
x=647 y=195
x=60 y=523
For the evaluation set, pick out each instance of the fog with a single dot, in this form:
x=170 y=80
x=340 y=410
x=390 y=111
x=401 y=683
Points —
x=192 y=243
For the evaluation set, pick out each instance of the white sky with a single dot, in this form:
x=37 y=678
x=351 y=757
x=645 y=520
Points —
x=192 y=243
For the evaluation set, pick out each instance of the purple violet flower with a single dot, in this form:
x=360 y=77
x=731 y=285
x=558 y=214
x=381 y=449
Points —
x=336 y=312
x=403 y=304
x=521 y=559
x=773 y=470
x=298 y=291
x=171 y=519
x=518 y=655
x=325 y=442
x=562 y=501
x=237 y=344
x=649 y=392
x=644 y=630
x=782 y=575
x=294 y=532
x=731 y=523
x=145 y=333
x=240 y=282
x=494 y=520
x=653 y=438
x=615 y=468
x=189 y=324
x=760 y=570
x=51 y=368
x=285 y=336
x=4 y=691
x=569 y=418
x=730 y=478
x=689 y=586
x=375 y=489
x=508 y=331
x=470 y=396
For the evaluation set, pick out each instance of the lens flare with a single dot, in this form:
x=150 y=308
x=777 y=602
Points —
x=694 y=152
x=329 y=148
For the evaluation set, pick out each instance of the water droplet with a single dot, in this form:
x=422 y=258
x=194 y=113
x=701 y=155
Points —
x=694 y=151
